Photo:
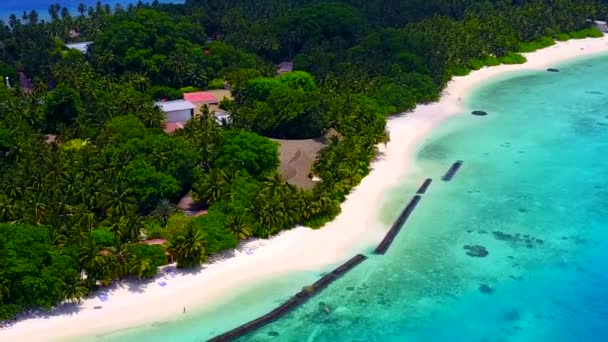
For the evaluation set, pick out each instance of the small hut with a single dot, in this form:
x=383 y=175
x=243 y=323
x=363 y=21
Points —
x=285 y=67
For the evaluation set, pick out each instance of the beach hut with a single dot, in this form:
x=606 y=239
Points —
x=601 y=25
x=285 y=67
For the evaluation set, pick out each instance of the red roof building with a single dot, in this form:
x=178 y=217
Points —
x=201 y=97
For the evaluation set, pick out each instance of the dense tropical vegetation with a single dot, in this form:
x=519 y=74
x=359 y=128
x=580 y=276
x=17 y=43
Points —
x=75 y=210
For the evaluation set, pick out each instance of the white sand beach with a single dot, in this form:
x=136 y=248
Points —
x=357 y=227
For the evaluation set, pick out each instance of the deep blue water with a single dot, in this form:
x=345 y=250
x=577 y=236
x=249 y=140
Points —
x=8 y=7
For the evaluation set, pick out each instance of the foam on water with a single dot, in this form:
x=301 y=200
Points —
x=533 y=190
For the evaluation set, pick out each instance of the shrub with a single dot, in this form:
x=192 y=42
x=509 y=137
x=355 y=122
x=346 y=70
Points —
x=490 y=61
x=213 y=228
x=154 y=229
x=562 y=37
x=102 y=237
x=535 y=45
x=164 y=93
x=459 y=71
x=476 y=64
x=154 y=255
x=188 y=89
x=176 y=225
x=592 y=32
x=216 y=84
x=512 y=58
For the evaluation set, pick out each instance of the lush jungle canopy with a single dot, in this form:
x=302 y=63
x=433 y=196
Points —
x=74 y=212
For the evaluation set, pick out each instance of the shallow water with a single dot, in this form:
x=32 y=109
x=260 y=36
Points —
x=532 y=191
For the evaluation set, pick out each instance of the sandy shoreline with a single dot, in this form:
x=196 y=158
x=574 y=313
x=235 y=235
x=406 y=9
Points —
x=301 y=248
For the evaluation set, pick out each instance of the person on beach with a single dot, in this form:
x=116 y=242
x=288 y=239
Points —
x=184 y=309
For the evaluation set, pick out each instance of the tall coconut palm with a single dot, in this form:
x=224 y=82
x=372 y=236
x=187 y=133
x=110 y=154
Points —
x=163 y=210
x=212 y=187
x=188 y=249
x=82 y=9
x=238 y=226
x=74 y=290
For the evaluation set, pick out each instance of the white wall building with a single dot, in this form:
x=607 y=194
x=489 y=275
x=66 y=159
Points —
x=177 y=111
x=222 y=117
x=82 y=47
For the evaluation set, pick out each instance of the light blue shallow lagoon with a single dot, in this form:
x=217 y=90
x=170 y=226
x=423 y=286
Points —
x=533 y=190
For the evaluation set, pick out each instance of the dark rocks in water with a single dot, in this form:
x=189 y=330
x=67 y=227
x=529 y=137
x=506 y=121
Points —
x=511 y=257
x=539 y=241
x=518 y=278
x=530 y=245
x=522 y=210
x=511 y=315
x=485 y=288
x=350 y=288
x=479 y=113
x=594 y=92
x=476 y=251
x=564 y=238
x=502 y=236
x=553 y=70
x=273 y=333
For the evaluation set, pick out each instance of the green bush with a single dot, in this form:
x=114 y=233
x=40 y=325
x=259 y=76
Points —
x=176 y=225
x=153 y=255
x=512 y=58
x=154 y=229
x=459 y=71
x=490 y=61
x=535 y=45
x=562 y=37
x=102 y=237
x=476 y=64
x=217 y=237
x=592 y=32
x=164 y=93
x=216 y=84
x=188 y=89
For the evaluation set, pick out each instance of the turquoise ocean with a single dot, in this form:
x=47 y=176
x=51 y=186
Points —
x=533 y=190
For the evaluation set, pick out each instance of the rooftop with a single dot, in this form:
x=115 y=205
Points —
x=82 y=47
x=285 y=67
x=201 y=97
x=171 y=106
x=171 y=127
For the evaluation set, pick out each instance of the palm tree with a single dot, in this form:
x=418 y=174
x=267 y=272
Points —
x=239 y=227
x=74 y=290
x=141 y=267
x=188 y=249
x=212 y=187
x=82 y=9
x=163 y=210
x=54 y=12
